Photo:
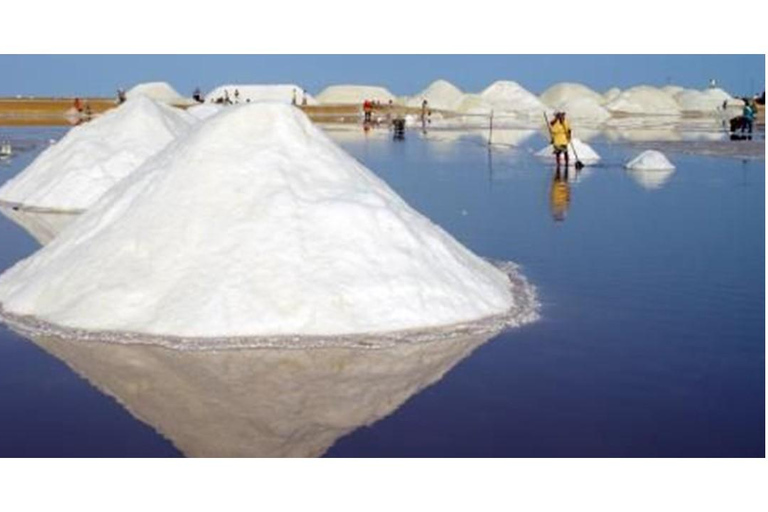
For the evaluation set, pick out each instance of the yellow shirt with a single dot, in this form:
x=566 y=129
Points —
x=561 y=133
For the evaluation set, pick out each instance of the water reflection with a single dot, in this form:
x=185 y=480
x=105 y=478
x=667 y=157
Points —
x=651 y=179
x=560 y=193
x=260 y=403
x=42 y=226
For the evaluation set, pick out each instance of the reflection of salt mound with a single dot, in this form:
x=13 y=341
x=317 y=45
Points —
x=354 y=94
x=256 y=224
x=650 y=160
x=644 y=99
x=708 y=101
x=503 y=97
x=567 y=91
x=258 y=93
x=159 y=91
x=587 y=155
x=440 y=94
x=260 y=403
x=73 y=173
x=42 y=226
x=507 y=137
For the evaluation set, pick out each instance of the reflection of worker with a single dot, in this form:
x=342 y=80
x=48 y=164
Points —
x=559 y=195
x=560 y=132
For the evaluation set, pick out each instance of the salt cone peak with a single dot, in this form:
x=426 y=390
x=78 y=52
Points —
x=73 y=173
x=256 y=225
x=158 y=91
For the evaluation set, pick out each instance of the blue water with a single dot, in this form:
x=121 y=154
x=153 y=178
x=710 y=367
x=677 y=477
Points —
x=651 y=341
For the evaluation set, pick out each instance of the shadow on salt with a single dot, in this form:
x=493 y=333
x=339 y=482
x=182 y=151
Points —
x=260 y=403
x=43 y=226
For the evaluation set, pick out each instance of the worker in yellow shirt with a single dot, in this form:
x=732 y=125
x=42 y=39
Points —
x=560 y=132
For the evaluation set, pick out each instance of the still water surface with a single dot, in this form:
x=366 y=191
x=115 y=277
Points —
x=651 y=341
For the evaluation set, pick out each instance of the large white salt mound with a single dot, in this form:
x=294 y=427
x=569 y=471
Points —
x=568 y=91
x=203 y=111
x=73 y=173
x=256 y=224
x=257 y=93
x=586 y=154
x=672 y=90
x=354 y=94
x=708 y=101
x=644 y=99
x=504 y=97
x=159 y=91
x=650 y=160
x=584 y=109
x=440 y=94
x=611 y=94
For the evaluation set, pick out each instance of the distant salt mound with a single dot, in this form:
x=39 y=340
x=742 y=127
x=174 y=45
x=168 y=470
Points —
x=76 y=171
x=159 y=91
x=650 y=160
x=644 y=100
x=611 y=94
x=204 y=111
x=261 y=93
x=568 y=91
x=708 y=101
x=672 y=90
x=255 y=229
x=440 y=94
x=503 y=97
x=587 y=155
x=354 y=94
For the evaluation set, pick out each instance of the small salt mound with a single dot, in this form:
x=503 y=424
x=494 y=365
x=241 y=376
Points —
x=440 y=94
x=204 y=111
x=257 y=224
x=258 y=93
x=611 y=94
x=708 y=101
x=644 y=99
x=566 y=92
x=354 y=94
x=586 y=154
x=650 y=160
x=73 y=173
x=159 y=91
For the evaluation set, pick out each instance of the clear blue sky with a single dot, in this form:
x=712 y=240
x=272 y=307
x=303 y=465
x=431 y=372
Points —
x=402 y=74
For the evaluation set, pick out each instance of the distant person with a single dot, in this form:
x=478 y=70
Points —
x=367 y=110
x=303 y=97
x=293 y=98
x=749 y=117
x=197 y=95
x=237 y=95
x=424 y=108
x=120 y=96
x=227 y=100
x=560 y=133
x=78 y=105
x=712 y=83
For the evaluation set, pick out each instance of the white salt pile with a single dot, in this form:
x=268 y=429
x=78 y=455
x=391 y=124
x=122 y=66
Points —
x=440 y=94
x=73 y=173
x=611 y=94
x=650 y=160
x=204 y=110
x=255 y=229
x=672 y=90
x=586 y=154
x=644 y=100
x=568 y=91
x=708 y=101
x=258 y=93
x=159 y=91
x=354 y=94
x=503 y=97
x=579 y=101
